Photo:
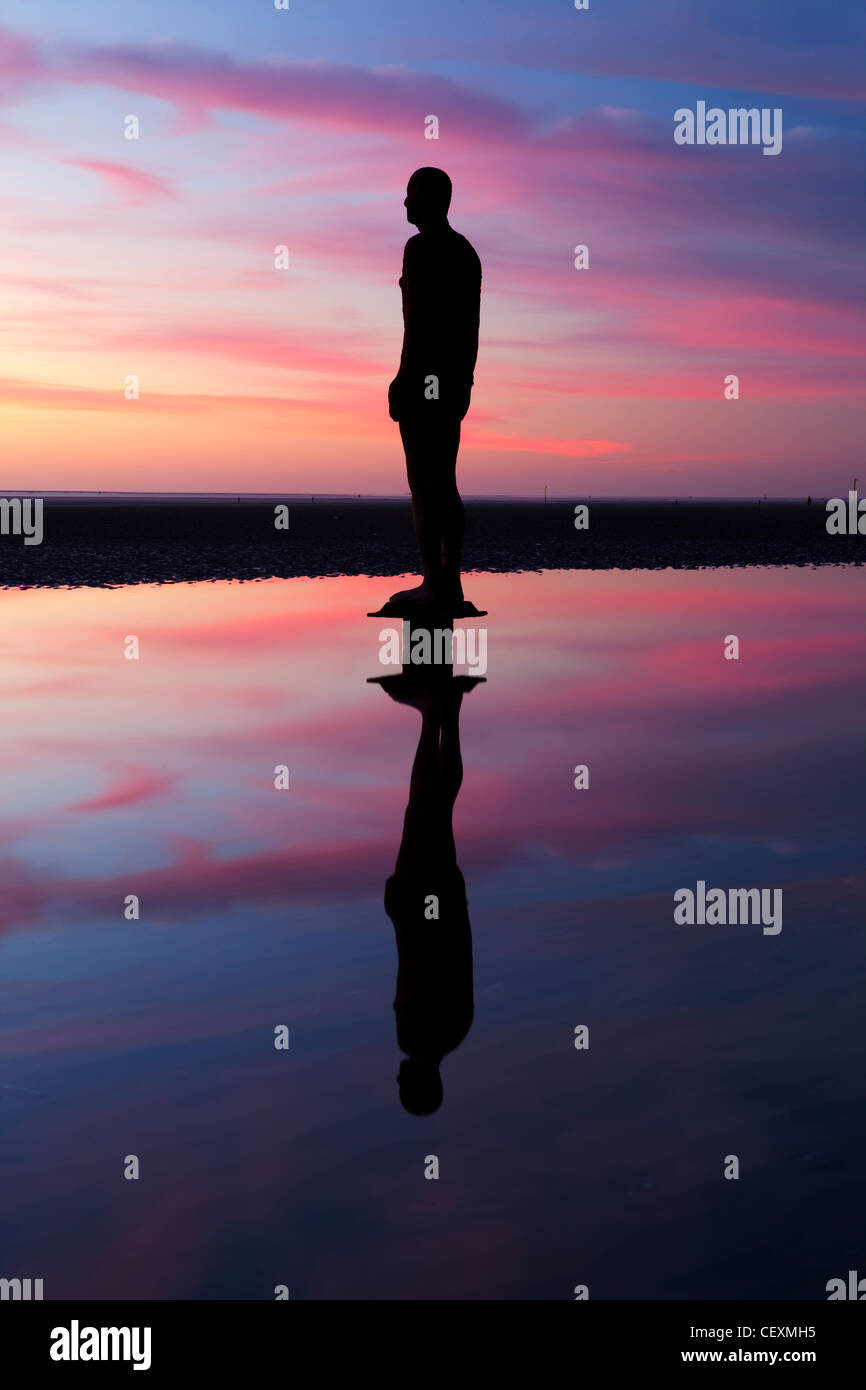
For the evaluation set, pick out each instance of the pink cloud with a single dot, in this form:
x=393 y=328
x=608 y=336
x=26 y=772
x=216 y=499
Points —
x=20 y=61
x=136 y=185
x=198 y=81
x=55 y=396
x=272 y=347
x=135 y=785
x=535 y=444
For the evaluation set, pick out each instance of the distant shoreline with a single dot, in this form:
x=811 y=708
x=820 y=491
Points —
x=105 y=540
x=100 y=495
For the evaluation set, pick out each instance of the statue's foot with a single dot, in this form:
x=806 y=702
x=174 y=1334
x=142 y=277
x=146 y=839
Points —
x=449 y=589
x=450 y=599
x=423 y=593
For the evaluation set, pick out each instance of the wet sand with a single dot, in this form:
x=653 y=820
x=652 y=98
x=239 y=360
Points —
x=108 y=541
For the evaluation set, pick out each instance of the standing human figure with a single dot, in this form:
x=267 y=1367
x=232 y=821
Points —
x=441 y=289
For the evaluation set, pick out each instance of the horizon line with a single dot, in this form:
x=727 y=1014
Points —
x=86 y=494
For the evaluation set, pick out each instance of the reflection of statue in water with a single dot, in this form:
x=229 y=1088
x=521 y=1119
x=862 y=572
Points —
x=425 y=897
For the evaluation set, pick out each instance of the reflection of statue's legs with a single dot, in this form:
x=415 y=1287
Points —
x=437 y=772
x=450 y=757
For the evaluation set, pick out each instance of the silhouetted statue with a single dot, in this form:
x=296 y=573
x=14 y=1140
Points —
x=425 y=897
x=441 y=287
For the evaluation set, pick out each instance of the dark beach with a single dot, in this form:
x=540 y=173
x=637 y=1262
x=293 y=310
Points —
x=104 y=541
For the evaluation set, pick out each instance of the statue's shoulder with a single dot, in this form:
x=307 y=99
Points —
x=468 y=253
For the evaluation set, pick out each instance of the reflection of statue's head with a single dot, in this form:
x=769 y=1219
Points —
x=420 y=1085
x=428 y=196
x=433 y=1003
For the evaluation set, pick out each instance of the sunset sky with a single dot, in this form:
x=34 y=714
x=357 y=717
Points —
x=259 y=127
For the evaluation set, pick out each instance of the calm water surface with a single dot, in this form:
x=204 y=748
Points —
x=262 y=907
